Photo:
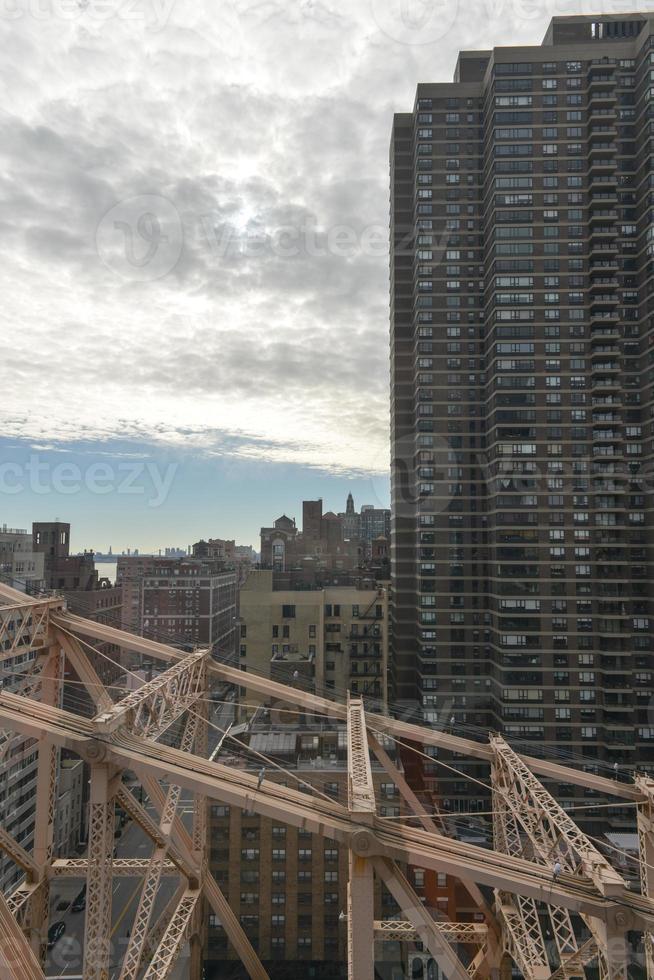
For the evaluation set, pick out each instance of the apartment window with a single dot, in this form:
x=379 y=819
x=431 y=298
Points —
x=288 y=612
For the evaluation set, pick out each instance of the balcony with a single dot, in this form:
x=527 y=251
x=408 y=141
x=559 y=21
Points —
x=602 y=146
x=600 y=351
x=602 y=299
x=367 y=633
x=611 y=382
x=597 y=247
x=602 y=281
x=599 y=96
x=603 y=264
x=604 y=331
x=372 y=653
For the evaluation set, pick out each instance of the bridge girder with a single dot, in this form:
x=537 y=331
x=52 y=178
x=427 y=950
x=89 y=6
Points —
x=123 y=736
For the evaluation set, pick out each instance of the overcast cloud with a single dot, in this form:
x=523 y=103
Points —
x=193 y=214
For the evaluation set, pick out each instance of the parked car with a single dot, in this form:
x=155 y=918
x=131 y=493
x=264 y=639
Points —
x=55 y=932
x=79 y=903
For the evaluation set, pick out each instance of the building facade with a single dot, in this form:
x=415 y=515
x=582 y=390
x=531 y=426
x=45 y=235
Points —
x=287 y=885
x=327 y=638
x=522 y=373
x=189 y=601
x=69 y=823
x=20 y=565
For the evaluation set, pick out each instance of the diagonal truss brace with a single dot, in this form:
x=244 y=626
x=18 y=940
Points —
x=574 y=965
x=160 y=702
x=519 y=939
x=134 y=954
x=17 y=959
x=132 y=961
x=551 y=831
x=421 y=919
x=173 y=938
x=523 y=934
x=25 y=626
x=428 y=823
x=554 y=836
x=84 y=669
x=212 y=891
x=18 y=854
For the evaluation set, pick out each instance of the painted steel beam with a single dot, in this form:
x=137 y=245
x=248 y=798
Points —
x=211 y=889
x=134 y=952
x=552 y=833
x=401 y=930
x=361 y=790
x=174 y=937
x=18 y=854
x=429 y=824
x=46 y=802
x=17 y=959
x=24 y=626
x=378 y=723
x=84 y=669
x=360 y=919
x=99 y=877
x=156 y=705
x=140 y=815
x=520 y=938
x=646 y=848
x=269 y=799
x=574 y=965
x=523 y=931
x=230 y=923
x=430 y=935
x=120 y=868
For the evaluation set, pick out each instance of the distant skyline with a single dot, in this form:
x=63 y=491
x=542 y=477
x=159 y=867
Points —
x=194 y=258
x=206 y=495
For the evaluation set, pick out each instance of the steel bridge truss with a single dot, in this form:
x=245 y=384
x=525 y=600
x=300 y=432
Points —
x=587 y=907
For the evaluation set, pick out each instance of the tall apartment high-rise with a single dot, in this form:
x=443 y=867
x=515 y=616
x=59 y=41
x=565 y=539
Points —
x=522 y=325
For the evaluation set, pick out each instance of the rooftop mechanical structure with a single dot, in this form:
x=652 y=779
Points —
x=586 y=907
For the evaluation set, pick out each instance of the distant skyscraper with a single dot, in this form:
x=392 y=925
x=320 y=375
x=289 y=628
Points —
x=521 y=337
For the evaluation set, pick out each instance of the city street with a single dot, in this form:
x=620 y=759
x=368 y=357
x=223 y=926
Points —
x=65 y=959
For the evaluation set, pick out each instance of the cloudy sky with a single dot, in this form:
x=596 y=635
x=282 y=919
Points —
x=194 y=269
